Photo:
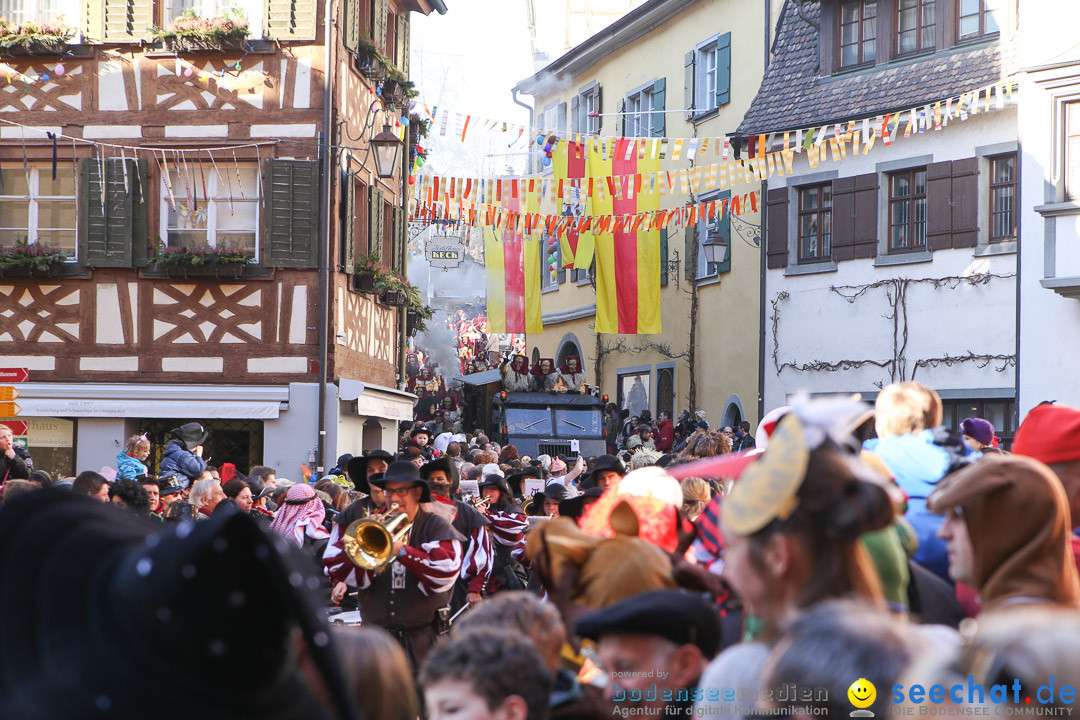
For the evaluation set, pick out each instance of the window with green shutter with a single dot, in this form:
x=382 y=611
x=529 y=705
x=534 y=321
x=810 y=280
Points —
x=112 y=222
x=350 y=33
x=348 y=222
x=380 y=11
x=375 y=222
x=117 y=21
x=401 y=42
x=290 y=19
x=663 y=258
x=291 y=212
x=399 y=238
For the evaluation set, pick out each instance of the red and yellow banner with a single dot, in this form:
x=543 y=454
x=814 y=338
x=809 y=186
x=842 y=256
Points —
x=513 y=269
x=627 y=258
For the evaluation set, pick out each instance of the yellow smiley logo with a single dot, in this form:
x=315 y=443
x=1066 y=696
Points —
x=862 y=693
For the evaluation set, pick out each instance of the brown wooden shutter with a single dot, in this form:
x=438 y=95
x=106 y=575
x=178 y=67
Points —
x=965 y=203
x=939 y=205
x=843 y=219
x=291 y=19
x=348 y=222
x=866 y=216
x=291 y=213
x=108 y=226
x=776 y=233
x=118 y=21
x=375 y=222
x=350 y=34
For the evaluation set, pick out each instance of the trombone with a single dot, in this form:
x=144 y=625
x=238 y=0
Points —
x=369 y=542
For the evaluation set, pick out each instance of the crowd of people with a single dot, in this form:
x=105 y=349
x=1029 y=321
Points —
x=689 y=572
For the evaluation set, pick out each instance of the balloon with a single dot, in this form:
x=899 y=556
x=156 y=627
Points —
x=551 y=267
x=45 y=77
x=404 y=121
x=547 y=160
x=412 y=179
x=60 y=69
x=419 y=149
x=547 y=148
x=540 y=141
x=189 y=71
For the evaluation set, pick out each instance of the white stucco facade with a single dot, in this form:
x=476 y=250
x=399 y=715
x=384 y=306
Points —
x=854 y=325
x=1050 y=236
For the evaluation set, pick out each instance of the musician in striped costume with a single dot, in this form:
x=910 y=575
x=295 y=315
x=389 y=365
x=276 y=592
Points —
x=405 y=597
x=508 y=526
x=472 y=524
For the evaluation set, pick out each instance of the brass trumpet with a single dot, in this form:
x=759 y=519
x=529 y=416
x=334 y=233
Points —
x=527 y=505
x=369 y=542
x=480 y=503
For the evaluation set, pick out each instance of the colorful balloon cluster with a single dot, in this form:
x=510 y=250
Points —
x=553 y=258
x=548 y=144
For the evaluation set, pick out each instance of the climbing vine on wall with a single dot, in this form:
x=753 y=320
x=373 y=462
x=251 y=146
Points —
x=896 y=296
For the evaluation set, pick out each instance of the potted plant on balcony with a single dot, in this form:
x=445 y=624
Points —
x=191 y=33
x=223 y=261
x=25 y=260
x=416 y=312
x=397 y=89
x=370 y=61
x=367 y=272
x=31 y=38
x=393 y=289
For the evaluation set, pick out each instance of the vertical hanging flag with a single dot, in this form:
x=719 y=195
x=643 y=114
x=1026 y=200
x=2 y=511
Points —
x=568 y=165
x=628 y=260
x=513 y=282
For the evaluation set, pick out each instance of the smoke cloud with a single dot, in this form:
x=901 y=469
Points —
x=446 y=291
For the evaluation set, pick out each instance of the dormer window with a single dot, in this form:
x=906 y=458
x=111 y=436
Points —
x=858 y=33
x=915 y=26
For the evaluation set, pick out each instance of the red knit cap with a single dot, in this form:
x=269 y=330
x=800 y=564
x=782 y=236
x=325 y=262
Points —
x=1049 y=433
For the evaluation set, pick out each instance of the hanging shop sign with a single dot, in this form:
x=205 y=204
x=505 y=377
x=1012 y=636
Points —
x=445 y=252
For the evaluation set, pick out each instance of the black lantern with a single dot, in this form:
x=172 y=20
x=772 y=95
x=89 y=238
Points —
x=387 y=147
x=716 y=250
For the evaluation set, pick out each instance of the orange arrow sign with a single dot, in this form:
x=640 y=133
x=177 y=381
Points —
x=8 y=393
x=9 y=409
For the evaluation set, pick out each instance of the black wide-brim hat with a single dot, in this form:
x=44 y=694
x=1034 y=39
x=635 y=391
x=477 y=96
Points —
x=191 y=434
x=604 y=462
x=497 y=481
x=403 y=471
x=357 y=468
x=515 y=481
x=575 y=506
x=92 y=598
x=445 y=464
x=554 y=491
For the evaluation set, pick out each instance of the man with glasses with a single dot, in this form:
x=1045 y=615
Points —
x=405 y=597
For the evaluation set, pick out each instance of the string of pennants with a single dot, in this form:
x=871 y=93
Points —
x=457 y=125
x=477 y=201
x=484 y=215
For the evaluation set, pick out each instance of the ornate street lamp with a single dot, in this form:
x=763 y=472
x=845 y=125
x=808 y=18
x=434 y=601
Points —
x=716 y=250
x=387 y=147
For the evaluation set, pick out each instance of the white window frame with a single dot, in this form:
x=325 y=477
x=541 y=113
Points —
x=639 y=107
x=253 y=10
x=219 y=201
x=705 y=95
x=32 y=219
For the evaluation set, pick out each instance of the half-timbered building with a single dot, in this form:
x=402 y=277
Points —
x=122 y=153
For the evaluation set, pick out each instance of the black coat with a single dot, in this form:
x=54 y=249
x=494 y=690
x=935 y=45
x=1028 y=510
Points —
x=13 y=469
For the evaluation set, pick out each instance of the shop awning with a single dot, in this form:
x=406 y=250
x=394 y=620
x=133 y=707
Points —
x=376 y=400
x=256 y=402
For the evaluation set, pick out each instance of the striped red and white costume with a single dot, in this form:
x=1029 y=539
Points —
x=435 y=564
x=478 y=561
